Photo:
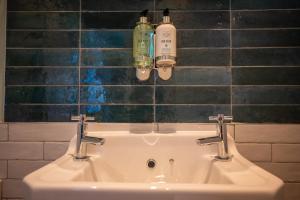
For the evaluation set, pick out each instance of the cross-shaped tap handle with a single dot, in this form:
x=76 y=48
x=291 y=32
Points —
x=220 y=118
x=82 y=118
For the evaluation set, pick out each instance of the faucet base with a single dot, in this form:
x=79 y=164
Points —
x=224 y=159
x=80 y=158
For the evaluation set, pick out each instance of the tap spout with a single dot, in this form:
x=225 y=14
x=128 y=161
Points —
x=209 y=140
x=93 y=140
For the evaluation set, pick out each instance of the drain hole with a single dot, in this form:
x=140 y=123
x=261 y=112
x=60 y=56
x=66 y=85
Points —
x=151 y=163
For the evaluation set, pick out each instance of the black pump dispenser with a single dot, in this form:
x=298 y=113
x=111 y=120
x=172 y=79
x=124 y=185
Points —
x=144 y=13
x=143 y=16
x=166 y=17
x=166 y=12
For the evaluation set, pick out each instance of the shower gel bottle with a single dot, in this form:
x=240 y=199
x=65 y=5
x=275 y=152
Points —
x=143 y=47
x=165 y=47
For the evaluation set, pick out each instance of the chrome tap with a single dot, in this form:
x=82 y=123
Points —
x=221 y=138
x=82 y=139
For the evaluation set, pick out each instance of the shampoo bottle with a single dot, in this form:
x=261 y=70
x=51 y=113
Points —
x=165 y=46
x=143 y=47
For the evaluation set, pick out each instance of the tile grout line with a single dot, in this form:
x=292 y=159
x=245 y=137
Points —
x=79 y=59
x=179 y=29
x=271 y=152
x=175 y=10
x=130 y=67
x=128 y=48
x=154 y=76
x=230 y=56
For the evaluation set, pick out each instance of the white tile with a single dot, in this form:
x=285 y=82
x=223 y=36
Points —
x=255 y=152
x=53 y=150
x=285 y=152
x=172 y=127
x=13 y=199
x=169 y=127
x=131 y=127
x=13 y=188
x=292 y=191
x=286 y=171
x=21 y=150
x=267 y=133
x=42 y=131
x=3 y=169
x=3 y=132
x=20 y=168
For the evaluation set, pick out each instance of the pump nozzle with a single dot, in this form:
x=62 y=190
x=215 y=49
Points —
x=166 y=12
x=144 y=13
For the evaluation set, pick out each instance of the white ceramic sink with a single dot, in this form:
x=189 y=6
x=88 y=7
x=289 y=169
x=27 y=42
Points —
x=184 y=170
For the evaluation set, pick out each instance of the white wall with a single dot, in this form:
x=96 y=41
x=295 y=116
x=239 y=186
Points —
x=2 y=55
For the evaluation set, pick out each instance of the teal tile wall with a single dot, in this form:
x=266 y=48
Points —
x=237 y=57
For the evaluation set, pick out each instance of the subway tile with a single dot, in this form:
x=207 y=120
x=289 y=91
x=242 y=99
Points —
x=192 y=95
x=110 y=20
x=285 y=152
x=265 y=38
x=286 y=171
x=42 y=57
x=255 y=152
x=37 y=5
x=41 y=94
x=41 y=76
x=21 y=150
x=198 y=76
x=193 y=4
x=111 y=76
x=271 y=19
x=291 y=191
x=198 y=20
x=40 y=113
x=3 y=170
x=40 y=132
x=103 y=5
x=54 y=150
x=172 y=127
x=266 y=113
x=107 y=39
x=267 y=133
x=203 y=57
x=266 y=76
x=3 y=132
x=188 y=113
x=202 y=38
x=266 y=95
x=266 y=57
x=42 y=20
x=13 y=188
x=42 y=39
x=119 y=113
x=266 y=4
x=18 y=169
x=116 y=95
x=182 y=20
x=106 y=57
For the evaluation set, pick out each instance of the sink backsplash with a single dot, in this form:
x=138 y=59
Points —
x=235 y=57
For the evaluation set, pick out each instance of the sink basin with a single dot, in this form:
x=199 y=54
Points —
x=180 y=169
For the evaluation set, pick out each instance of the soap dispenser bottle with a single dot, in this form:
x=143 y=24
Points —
x=165 y=46
x=143 y=47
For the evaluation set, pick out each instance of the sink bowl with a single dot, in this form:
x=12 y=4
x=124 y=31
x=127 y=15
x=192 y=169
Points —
x=152 y=166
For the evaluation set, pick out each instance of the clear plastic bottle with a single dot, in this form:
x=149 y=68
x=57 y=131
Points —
x=143 y=47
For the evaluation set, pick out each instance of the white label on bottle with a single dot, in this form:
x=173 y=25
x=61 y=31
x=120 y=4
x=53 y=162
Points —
x=166 y=41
